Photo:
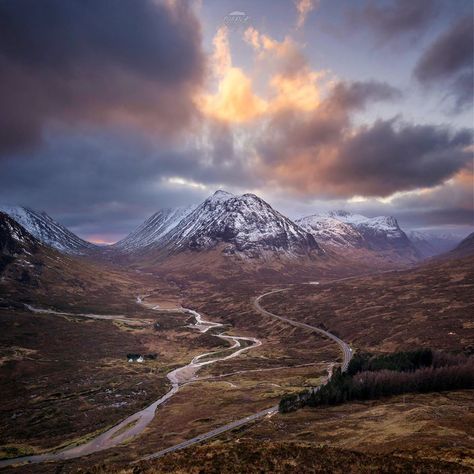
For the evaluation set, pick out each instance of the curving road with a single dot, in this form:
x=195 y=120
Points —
x=345 y=348
x=346 y=358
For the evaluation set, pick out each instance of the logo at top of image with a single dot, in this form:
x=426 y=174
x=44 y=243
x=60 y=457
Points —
x=236 y=18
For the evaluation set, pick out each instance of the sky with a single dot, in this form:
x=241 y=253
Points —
x=113 y=110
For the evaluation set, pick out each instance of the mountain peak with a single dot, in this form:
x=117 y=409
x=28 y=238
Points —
x=245 y=226
x=221 y=195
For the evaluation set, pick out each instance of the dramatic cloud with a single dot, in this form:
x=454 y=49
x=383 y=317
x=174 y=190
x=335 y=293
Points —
x=292 y=82
x=450 y=61
x=449 y=204
x=234 y=101
x=294 y=136
x=387 y=157
x=108 y=183
x=99 y=62
x=390 y=21
x=112 y=110
x=322 y=153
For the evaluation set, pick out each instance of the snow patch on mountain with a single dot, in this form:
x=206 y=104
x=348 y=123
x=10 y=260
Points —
x=386 y=225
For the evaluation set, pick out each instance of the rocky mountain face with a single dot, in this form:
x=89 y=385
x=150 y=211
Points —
x=47 y=230
x=343 y=232
x=18 y=251
x=14 y=239
x=245 y=226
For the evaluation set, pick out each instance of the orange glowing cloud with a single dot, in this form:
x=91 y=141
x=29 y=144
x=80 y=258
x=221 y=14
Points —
x=294 y=85
x=234 y=101
x=296 y=92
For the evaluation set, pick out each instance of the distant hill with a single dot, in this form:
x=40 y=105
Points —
x=430 y=244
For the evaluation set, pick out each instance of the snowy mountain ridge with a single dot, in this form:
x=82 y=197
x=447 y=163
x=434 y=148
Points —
x=331 y=231
x=41 y=226
x=344 y=230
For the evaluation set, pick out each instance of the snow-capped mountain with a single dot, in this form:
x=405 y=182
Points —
x=47 y=230
x=153 y=229
x=239 y=225
x=344 y=231
x=430 y=244
x=379 y=233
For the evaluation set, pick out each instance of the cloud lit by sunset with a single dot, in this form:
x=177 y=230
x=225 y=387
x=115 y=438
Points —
x=310 y=102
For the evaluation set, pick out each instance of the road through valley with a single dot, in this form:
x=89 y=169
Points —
x=136 y=423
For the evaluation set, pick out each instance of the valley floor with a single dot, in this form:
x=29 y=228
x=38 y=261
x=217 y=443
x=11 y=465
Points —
x=67 y=378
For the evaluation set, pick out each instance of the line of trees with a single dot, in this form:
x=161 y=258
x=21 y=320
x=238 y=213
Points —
x=371 y=377
x=398 y=361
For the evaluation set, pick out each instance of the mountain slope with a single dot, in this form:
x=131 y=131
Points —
x=15 y=241
x=47 y=230
x=153 y=229
x=380 y=233
x=18 y=251
x=464 y=249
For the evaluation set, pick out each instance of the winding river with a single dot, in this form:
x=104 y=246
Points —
x=137 y=422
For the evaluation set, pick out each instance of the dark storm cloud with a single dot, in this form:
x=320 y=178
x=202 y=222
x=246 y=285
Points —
x=386 y=157
x=389 y=20
x=449 y=60
x=96 y=61
x=111 y=182
x=449 y=204
x=324 y=154
x=356 y=95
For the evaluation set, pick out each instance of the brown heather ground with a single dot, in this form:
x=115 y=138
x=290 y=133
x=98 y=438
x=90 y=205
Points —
x=435 y=426
x=429 y=306
x=64 y=378
x=279 y=458
x=382 y=313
